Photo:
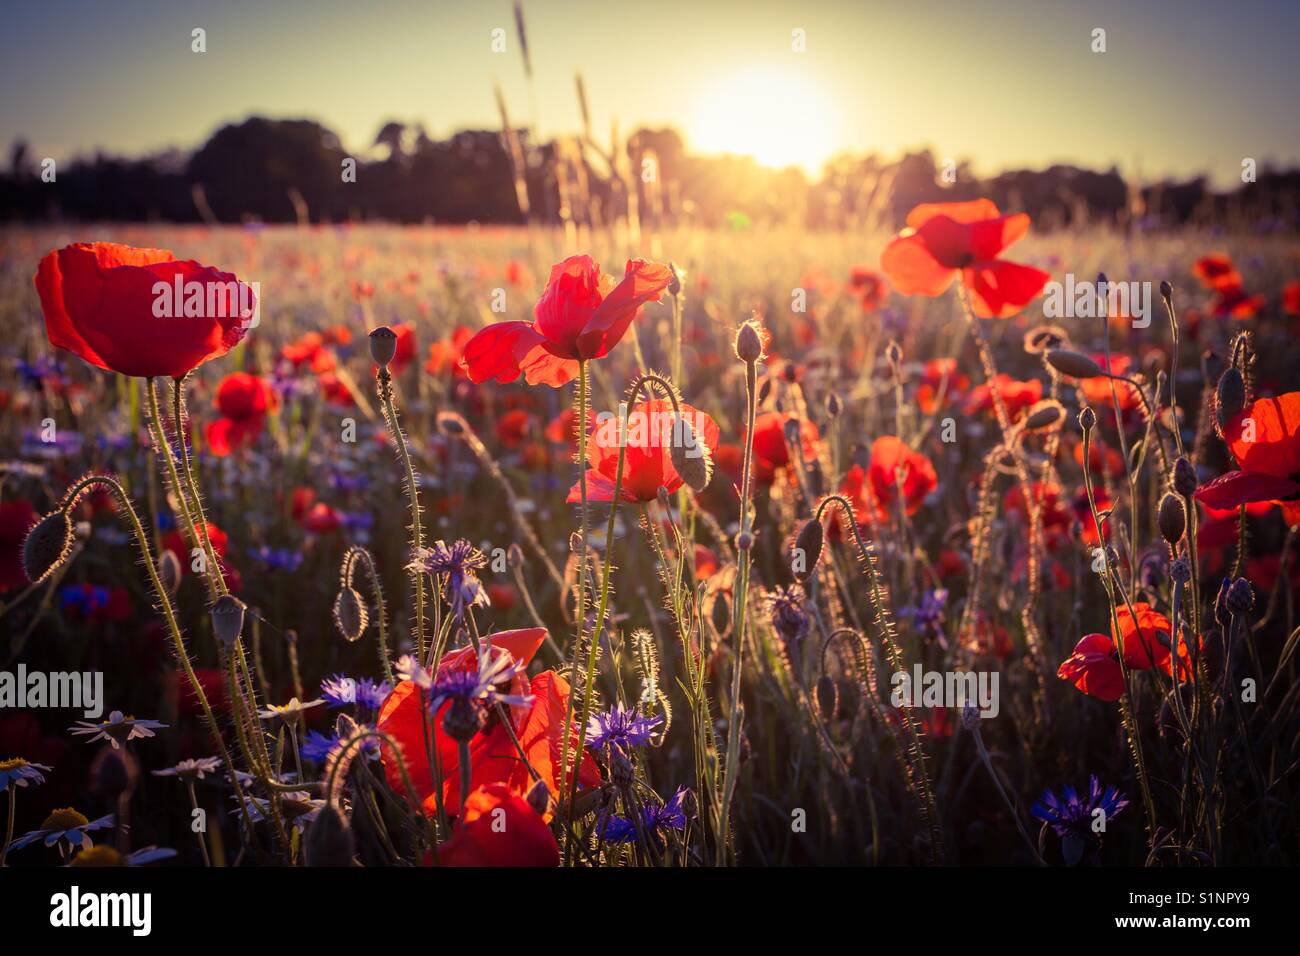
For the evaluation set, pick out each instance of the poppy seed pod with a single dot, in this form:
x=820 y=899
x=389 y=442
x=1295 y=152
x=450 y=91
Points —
x=894 y=353
x=1172 y=519
x=1087 y=418
x=1166 y=290
x=47 y=546
x=1229 y=396
x=833 y=405
x=329 y=841
x=1185 y=478
x=228 y=619
x=169 y=571
x=1073 y=364
x=808 y=544
x=383 y=345
x=350 y=614
x=749 y=344
x=1044 y=416
x=449 y=424
x=1180 y=570
x=690 y=456
x=828 y=697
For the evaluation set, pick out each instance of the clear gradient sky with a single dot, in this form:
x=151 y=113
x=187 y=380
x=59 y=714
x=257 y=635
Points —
x=1186 y=86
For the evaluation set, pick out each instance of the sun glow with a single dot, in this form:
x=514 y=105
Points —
x=781 y=118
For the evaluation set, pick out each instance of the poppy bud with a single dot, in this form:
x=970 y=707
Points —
x=764 y=390
x=833 y=405
x=1171 y=519
x=675 y=283
x=1185 y=477
x=1043 y=337
x=1044 y=416
x=169 y=571
x=1241 y=597
x=894 y=353
x=1073 y=364
x=329 y=842
x=47 y=546
x=228 y=619
x=539 y=798
x=749 y=344
x=744 y=541
x=1166 y=290
x=383 y=345
x=449 y=424
x=828 y=697
x=1229 y=396
x=350 y=614
x=690 y=456
x=1087 y=418
x=809 y=543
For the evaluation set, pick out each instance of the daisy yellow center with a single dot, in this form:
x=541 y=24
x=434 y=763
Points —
x=13 y=763
x=98 y=856
x=64 y=819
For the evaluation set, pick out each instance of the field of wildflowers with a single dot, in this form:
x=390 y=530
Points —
x=492 y=546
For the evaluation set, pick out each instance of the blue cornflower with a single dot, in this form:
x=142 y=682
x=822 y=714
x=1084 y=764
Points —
x=317 y=746
x=654 y=820
x=20 y=773
x=621 y=728
x=785 y=607
x=340 y=691
x=1069 y=815
x=454 y=566
x=468 y=694
x=928 y=615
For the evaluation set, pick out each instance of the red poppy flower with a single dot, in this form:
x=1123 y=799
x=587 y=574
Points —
x=875 y=490
x=944 y=240
x=513 y=427
x=1214 y=270
x=1265 y=439
x=1097 y=390
x=178 y=543
x=770 y=452
x=1017 y=396
x=648 y=462
x=581 y=315
x=563 y=430
x=445 y=355
x=870 y=288
x=101 y=299
x=499 y=828
x=243 y=401
x=1093 y=667
x=1146 y=641
x=940 y=377
x=1232 y=301
x=1291 y=298
x=320 y=519
x=493 y=757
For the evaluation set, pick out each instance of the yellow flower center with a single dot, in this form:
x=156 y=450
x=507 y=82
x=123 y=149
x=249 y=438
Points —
x=64 y=819
x=98 y=856
x=12 y=764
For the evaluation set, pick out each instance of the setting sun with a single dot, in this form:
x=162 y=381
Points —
x=778 y=117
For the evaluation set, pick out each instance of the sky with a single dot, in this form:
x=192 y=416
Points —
x=1184 y=87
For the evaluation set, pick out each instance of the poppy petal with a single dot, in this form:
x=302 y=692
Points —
x=643 y=282
x=913 y=269
x=1000 y=289
x=1242 y=487
x=1265 y=436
